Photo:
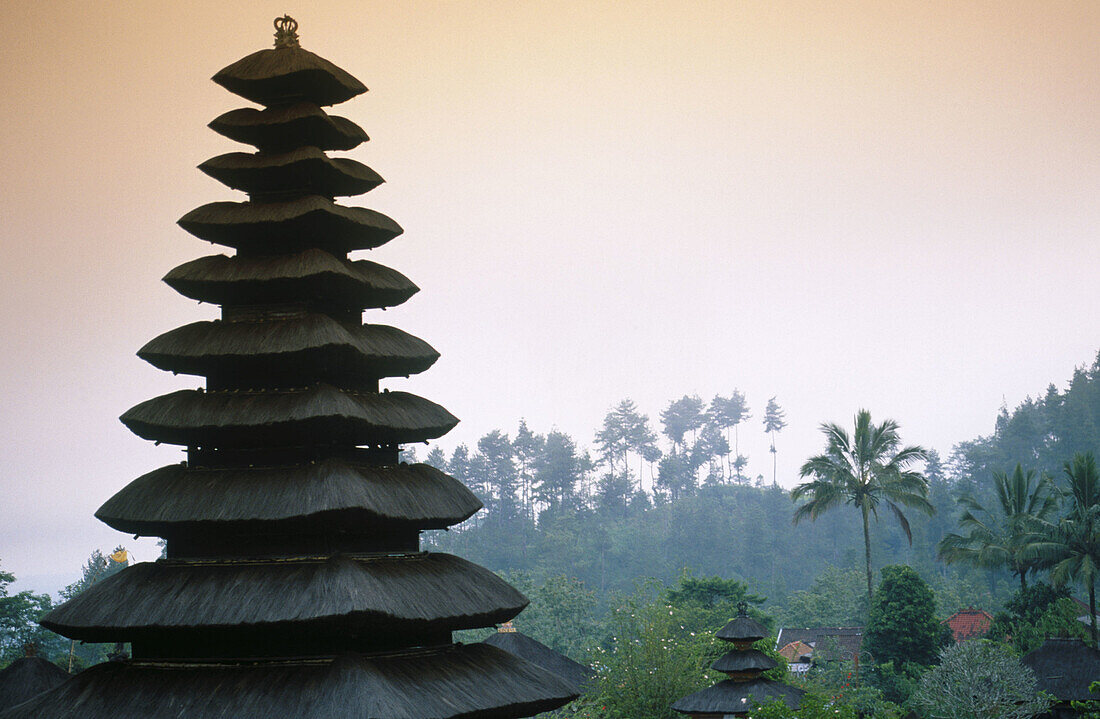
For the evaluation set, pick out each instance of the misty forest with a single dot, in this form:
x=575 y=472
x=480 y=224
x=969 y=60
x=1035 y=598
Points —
x=637 y=543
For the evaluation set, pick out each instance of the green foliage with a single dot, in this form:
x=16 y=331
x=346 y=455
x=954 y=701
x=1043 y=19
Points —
x=835 y=599
x=1058 y=619
x=864 y=469
x=563 y=613
x=979 y=679
x=713 y=594
x=1034 y=613
x=648 y=662
x=706 y=604
x=1001 y=537
x=1089 y=709
x=841 y=682
x=78 y=654
x=896 y=681
x=1072 y=547
x=1031 y=603
x=1043 y=431
x=19 y=614
x=813 y=706
x=902 y=625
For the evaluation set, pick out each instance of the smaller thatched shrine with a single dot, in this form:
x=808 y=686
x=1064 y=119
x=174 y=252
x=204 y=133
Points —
x=744 y=666
x=28 y=677
x=1064 y=668
x=534 y=651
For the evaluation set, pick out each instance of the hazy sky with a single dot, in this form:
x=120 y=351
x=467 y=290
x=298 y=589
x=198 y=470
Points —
x=890 y=205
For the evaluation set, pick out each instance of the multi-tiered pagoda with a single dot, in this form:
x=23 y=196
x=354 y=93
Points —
x=294 y=584
x=744 y=666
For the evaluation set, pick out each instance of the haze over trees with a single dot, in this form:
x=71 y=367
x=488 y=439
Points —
x=864 y=469
x=577 y=529
x=999 y=536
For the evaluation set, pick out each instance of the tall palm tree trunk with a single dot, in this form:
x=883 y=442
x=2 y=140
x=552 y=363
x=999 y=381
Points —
x=1092 y=613
x=867 y=550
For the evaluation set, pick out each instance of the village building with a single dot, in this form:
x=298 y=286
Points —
x=27 y=677
x=1064 y=668
x=969 y=623
x=534 y=651
x=831 y=644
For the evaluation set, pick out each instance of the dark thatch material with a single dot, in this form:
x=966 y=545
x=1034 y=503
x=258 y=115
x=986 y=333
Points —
x=27 y=677
x=310 y=347
x=734 y=697
x=461 y=682
x=333 y=493
x=1065 y=668
x=302 y=171
x=538 y=653
x=318 y=415
x=278 y=129
x=287 y=75
x=742 y=629
x=744 y=660
x=358 y=284
x=285 y=227
x=402 y=593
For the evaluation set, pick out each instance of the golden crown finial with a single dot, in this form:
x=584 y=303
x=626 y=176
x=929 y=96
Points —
x=286 y=31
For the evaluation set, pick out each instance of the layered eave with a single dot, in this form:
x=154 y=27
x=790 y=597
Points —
x=286 y=75
x=271 y=228
x=310 y=274
x=318 y=415
x=412 y=593
x=312 y=347
x=278 y=129
x=333 y=495
x=737 y=697
x=302 y=171
x=744 y=660
x=468 y=682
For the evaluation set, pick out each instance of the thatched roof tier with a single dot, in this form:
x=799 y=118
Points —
x=457 y=682
x=744 y=660
x=737 y=697
x=282 y=128
x=536 y=652
x=359 y=284
x=27 y=677
x=318 y=415
x=413 y=593
x=742 y=630
x=309 y=347
x=334 y=494
x=272 y=228
x=287 y=75
x=1065 y=668
x=302 y=171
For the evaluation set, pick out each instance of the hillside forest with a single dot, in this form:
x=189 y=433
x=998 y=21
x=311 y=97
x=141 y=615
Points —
x=650 y=529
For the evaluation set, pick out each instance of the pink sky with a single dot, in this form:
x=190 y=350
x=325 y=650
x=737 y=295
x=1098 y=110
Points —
x=862 y=204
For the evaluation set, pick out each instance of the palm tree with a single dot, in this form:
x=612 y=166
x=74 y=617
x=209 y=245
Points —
x=865 y=469
x=1072 y=546
x=999 y=537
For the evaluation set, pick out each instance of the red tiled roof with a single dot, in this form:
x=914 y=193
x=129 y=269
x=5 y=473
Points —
x=969 y=623
x=794 y=651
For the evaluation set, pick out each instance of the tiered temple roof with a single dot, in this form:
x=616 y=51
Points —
x=744 y=665
x=294 y=584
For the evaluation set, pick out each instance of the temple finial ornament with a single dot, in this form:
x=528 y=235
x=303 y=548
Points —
x=286 y=31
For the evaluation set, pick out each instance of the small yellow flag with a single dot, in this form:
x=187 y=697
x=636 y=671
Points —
x=120 y=556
